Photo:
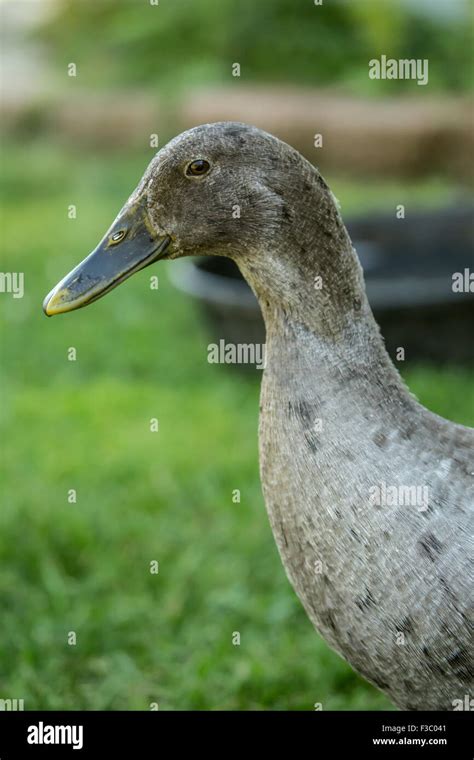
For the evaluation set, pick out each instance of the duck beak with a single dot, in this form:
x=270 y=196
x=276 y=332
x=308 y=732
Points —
x=129 y=245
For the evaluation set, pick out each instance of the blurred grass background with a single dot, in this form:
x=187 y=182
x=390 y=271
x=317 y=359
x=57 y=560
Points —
x=279 y=41
x=142 y=353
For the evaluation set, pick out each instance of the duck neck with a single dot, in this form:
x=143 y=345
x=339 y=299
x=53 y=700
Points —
x=303 y=266
x=311 y=291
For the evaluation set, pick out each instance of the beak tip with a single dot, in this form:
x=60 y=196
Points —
x=46 y=305
x=51 y=303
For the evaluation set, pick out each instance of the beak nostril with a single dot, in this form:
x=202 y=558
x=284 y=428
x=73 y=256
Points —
x=118 y=236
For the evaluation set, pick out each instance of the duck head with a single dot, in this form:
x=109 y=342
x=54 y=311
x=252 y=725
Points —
x=225 y=189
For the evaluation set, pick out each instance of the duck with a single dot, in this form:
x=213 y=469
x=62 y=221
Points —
x=369 y=494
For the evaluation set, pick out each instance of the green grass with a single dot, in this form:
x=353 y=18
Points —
x=141 y=496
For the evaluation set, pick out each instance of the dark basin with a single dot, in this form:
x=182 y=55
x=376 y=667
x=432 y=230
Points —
x=408 y=265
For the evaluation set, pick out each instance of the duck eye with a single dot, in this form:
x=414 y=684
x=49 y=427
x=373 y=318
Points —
x=117 y=237
x=198 y=168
